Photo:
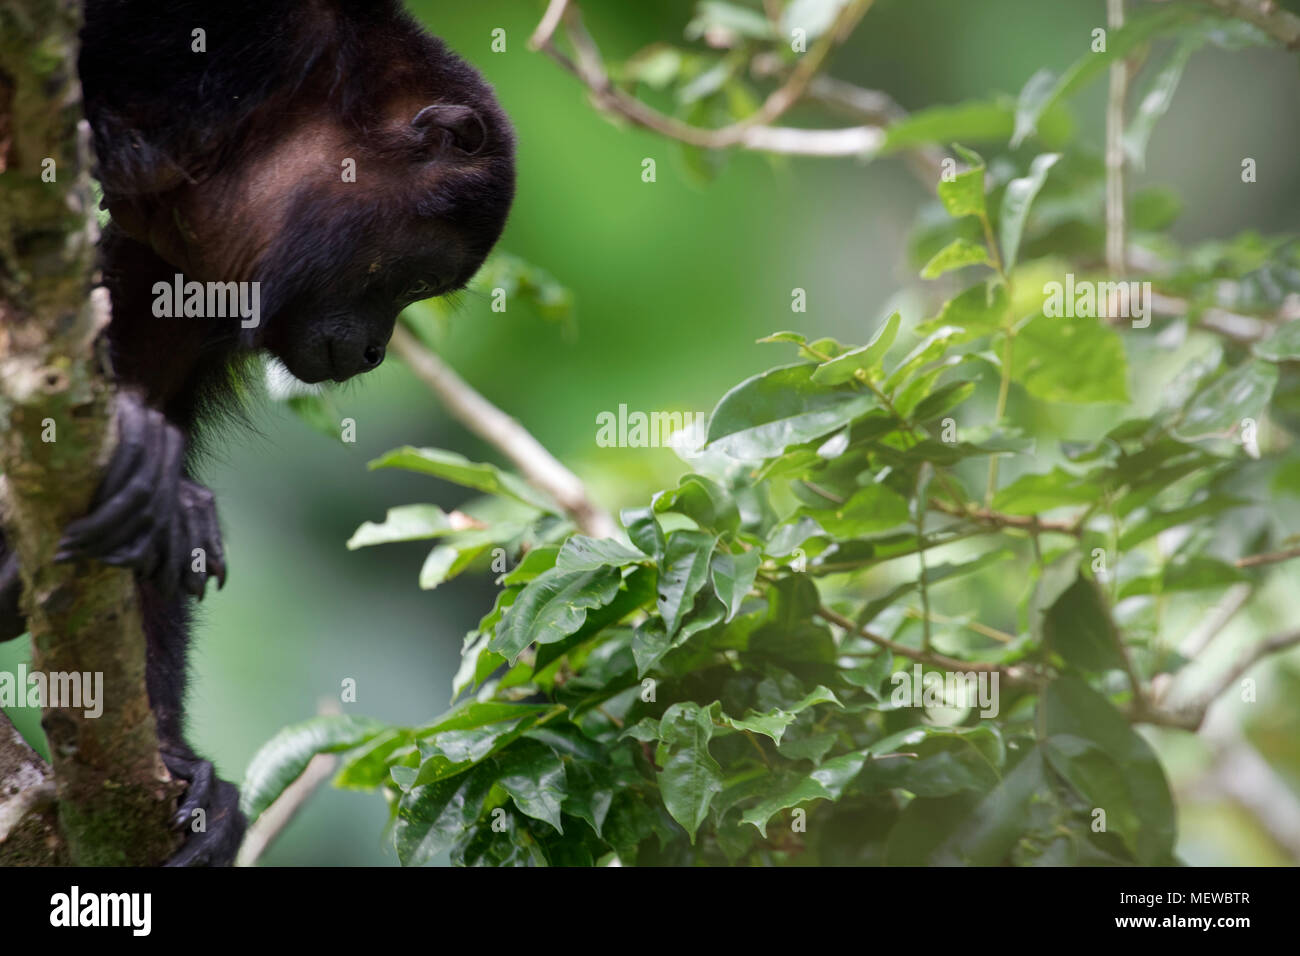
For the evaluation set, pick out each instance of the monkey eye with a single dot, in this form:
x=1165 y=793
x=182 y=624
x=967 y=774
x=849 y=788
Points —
x=418 y=290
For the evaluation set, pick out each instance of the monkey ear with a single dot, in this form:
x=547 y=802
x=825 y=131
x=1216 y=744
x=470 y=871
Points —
x=462 y=125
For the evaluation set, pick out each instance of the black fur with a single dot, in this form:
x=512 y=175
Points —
x=225 y=165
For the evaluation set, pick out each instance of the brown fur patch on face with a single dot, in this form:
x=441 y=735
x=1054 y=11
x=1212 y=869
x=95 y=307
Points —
x=234 y=218
x=217 y=229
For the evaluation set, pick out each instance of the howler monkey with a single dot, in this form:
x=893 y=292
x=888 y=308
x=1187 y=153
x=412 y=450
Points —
x=328 y=154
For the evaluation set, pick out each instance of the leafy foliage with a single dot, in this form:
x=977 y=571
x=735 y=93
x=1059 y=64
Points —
x=756 y=672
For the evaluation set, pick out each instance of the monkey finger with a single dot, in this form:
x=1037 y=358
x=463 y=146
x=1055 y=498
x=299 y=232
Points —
x=105 y=524
x=132 y=423
x=198 y=775
x=200 y=507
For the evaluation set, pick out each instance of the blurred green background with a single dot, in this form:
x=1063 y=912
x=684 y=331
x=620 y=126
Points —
x=673 y=281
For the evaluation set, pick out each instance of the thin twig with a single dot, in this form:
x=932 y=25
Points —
x=874 y=107
x=264 y=830
x=1211 y=627
x=538 y=466
x=1012 y=675
x=1191 y=715
x=1119 y=70
x=1273 y=645
x=1002 y=637
x=1254 y=560
x=753 y=132
x=997 y=519
x=1265 y=14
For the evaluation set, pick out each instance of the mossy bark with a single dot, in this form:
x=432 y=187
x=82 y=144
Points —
x=113 y=795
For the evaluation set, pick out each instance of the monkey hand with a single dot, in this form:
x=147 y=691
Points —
x=208 y=813
x=147 y=515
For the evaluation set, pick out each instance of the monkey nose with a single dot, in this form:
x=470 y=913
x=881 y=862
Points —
x=349 y=356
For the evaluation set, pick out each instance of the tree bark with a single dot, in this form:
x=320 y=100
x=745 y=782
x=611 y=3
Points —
x=113 y=795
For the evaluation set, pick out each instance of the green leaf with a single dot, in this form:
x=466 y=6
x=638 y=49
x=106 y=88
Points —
x=460 y=470
x=533 y=776
x=690 y=778
x=870 y=509
x=929 y=349
x=1044 y=90
x=431 y=818
x=1157 y=521
x=1031 y=494
x=285 y=756
x=991 y=828
x=773 y=723
x=1054 y=580
x=1220 y=407
x=317 y=411
x=460 y=549
x=939 y=765
x=979 y=310
x=367 y=767
x=1080 y=361
x=529 y=567
x=941 y=400
x=733 y=576
x=636 y=593
x=704 y=501
x=976 y=121
x=684 y=571
x=1283 y=345
x=553 y=606
x=1079 y=628
x=1156 y=99
x=717 y=15
x=956 y=255
x=590 y=793
x=644 y=531
x=867 y=359
x=405 y=523
x=473 y=714
x=580 y=553
x=1017 y=199
x=814 y=17
x=964 y=194
x=524 y=282
x=764 y=415
x=1195 y=573
x=827 y=782
x=1136 y=794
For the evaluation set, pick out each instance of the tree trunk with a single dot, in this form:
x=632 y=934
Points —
x=113 y=795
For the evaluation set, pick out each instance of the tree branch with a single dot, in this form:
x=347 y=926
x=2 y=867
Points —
x=1241 y=773
x=1012 y=675
x=1191 y=715
x=752 y=132
x=114 y=795
x=1118 y=96
x=1255 y=560
x=29 y=832
x=538 y=466
x=1265 y=14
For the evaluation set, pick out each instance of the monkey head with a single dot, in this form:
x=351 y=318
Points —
x=344 y=213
